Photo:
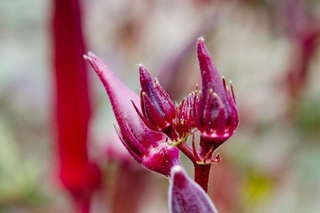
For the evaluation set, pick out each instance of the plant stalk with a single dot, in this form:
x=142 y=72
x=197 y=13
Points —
x=201 y=174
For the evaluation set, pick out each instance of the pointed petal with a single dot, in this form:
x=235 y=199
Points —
x=156 y=103
x=209 y=73
x=186 y=196
x=154 y=116
x=121 y=98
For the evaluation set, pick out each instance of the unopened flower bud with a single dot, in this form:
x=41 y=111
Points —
x=156 y=105
x=216 y=113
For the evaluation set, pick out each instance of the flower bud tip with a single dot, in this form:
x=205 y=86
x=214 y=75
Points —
x=176 y=169
x=201 y=39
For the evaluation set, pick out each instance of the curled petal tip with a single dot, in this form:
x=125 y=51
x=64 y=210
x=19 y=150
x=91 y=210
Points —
x=217 y=159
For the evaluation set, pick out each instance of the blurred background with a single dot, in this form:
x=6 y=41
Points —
x=268 y=48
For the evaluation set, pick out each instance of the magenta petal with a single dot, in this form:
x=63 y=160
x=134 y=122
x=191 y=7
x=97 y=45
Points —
x=120 y=96
x=186 y=196
x=209 y=73
x=132 y=129
x=147 y=147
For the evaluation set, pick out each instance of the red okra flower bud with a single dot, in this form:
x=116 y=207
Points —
x=216 y=113
x=148 y=147
x=157 y=107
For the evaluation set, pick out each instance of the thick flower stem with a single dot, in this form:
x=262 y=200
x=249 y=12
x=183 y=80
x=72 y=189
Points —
x=201 y=174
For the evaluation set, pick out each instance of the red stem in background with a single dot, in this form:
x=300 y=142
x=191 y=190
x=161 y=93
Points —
x=72 y=106
x=302 y=29
x=299 y=70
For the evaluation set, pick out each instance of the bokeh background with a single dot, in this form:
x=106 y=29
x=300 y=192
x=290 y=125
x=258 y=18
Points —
x=268 y=48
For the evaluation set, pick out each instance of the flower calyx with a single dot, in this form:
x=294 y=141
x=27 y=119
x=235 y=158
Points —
x=216 y=112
